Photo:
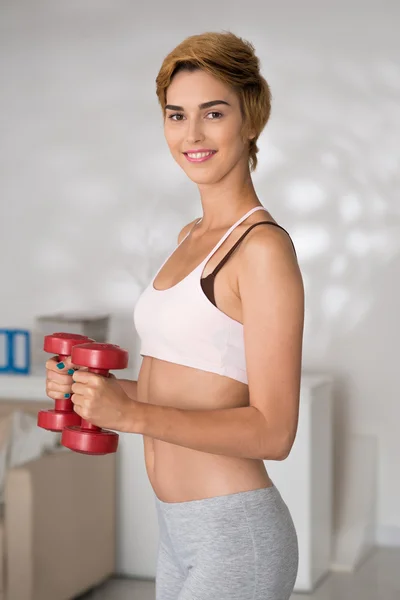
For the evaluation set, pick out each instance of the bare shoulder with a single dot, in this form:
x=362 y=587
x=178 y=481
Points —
x=268 y=270
x=270 y=239
x=267 y=254
x=185 y=230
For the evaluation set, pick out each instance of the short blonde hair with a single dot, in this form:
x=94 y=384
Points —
x=232 y=60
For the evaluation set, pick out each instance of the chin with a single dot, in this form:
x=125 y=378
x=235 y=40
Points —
x=203 y=178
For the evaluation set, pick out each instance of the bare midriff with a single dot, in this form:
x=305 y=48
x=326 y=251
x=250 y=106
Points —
x=179 y=474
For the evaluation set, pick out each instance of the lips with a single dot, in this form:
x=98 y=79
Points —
x=199 y=155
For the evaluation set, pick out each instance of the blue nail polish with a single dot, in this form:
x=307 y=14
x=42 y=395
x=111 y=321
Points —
x=60 y=365
x=67 y=395
x=71 y=371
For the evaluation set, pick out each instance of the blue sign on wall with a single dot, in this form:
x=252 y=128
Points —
x=15 y=351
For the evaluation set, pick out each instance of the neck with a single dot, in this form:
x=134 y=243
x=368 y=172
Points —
x=226 y=201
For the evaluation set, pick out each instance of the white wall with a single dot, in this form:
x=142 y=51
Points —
x=91 y=200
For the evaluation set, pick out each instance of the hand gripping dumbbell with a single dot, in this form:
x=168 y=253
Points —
x=88 y=438
x=63 y=414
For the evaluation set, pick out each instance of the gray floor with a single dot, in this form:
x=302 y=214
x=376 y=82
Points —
x=378 y=578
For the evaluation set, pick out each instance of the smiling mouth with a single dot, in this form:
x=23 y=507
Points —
x=199 y=156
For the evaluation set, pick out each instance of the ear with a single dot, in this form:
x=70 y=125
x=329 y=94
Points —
x=251 y=135
x=247 y=135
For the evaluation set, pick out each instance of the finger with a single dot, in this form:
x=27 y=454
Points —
x=80 y=389
x=86 y=377
x=58 y=363
x=58 y=395
x=79 y=410
x=58 y=387
x=58 y=379
x=60 y=366
x=64 y=378
x=78 y=403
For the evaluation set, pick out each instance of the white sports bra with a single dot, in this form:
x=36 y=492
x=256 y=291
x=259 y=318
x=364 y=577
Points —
x=182 y=324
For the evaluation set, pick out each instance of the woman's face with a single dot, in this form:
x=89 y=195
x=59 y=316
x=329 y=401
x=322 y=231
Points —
x=192 y=128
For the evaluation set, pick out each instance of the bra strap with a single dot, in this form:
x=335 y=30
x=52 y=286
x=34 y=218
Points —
x=227 y=233
x=189 y=232
x=226 y=257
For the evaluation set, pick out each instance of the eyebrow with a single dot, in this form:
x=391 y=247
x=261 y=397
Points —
x=204 y=105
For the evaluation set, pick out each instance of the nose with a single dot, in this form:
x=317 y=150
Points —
x=194 y=131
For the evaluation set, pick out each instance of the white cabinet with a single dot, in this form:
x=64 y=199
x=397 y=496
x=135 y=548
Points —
x=305 y=479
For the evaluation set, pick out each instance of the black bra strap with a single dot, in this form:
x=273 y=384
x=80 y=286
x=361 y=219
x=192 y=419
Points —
x=223 y=261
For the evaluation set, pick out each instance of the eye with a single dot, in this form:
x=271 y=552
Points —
x=215 y=113
x=175 y=115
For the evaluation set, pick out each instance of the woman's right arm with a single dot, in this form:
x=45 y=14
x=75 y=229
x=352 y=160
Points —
x=129 y=387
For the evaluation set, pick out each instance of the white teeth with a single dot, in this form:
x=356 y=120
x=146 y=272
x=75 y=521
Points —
x=199 y=154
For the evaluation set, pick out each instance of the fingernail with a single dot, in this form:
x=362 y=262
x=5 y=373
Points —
x=60 y=365
x=71 y=371
x=67 y=395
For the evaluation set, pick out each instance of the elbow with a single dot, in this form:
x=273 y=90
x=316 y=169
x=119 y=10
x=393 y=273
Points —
x=280 y=450
x=283 y=454
x=285 y=447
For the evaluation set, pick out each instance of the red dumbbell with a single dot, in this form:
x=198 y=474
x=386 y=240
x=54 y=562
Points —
x=63 y=414
x=100 y=359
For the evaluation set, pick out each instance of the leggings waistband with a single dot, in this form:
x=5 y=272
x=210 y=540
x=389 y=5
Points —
x=215 y=501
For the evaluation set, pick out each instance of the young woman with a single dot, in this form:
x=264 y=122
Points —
x=221 y=326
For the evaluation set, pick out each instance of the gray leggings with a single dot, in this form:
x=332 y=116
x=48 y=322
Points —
x=240 y=546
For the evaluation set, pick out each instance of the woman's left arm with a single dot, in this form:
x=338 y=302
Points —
x=272 y=296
